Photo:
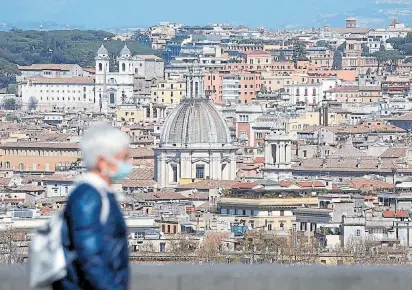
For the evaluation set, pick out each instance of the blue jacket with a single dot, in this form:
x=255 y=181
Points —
x=97 y=255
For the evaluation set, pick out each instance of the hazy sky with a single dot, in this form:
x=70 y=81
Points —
x=267 y=13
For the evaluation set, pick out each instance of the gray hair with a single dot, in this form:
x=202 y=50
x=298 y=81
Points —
x=102 y=141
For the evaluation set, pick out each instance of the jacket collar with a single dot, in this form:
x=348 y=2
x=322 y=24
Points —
x=94 y=180
x=97 y=182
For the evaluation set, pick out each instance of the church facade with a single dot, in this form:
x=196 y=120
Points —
x=195 y=142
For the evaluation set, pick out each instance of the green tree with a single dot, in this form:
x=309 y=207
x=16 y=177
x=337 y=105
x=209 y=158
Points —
x=337 y=60
x=282 y=57
x=365 y=50
x=10 y=104
x=388 y=57
x=396 y=42
x=33 y=104
x=299 y=53
x=341 y=47
x=322 y=43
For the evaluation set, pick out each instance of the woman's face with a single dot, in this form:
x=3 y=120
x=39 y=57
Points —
x=107 y=166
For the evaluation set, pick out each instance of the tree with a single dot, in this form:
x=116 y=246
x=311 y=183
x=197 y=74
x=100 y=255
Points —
x=299 y=53
x=210 y=248
x=396 y=42
x=282 y=57
x=9 y=250
x=365 y=50
x=32 y=104
x=382 y=47
x=341 y=47
x=389 y=57
x=337 y=60
x=181 y=247
x=322 y=43
x=10 y=104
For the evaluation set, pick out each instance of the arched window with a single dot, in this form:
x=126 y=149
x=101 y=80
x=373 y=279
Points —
x=21 y=167
x=123 y=67
x=100 y=66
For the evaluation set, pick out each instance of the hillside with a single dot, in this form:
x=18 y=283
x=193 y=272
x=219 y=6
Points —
x=18 y=47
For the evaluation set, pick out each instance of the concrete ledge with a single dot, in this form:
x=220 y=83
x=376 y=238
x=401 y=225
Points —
x=245 y=277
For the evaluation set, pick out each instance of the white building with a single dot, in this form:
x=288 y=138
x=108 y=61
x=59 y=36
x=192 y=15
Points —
x=50 y=71
x=59 y=93
x=278 y=157
x=310 y=94
x=231 y=89
x=195 y=141
x=116 y=88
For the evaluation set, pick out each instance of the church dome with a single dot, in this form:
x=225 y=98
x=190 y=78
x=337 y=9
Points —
x=125 y=51
x=195 y=122
x=102 y=50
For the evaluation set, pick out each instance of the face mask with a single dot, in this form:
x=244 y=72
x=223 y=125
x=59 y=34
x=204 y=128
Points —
x=123 y=170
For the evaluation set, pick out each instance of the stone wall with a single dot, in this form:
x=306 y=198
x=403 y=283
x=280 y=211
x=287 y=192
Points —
x=242 y=277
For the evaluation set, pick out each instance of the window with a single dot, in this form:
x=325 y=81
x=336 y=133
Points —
x=200 y=171
x=282 y=226
x=123 y=67
x=111 y=98
x=358 y=233
x=269 y=227
x=174 y=169
x=297 y=92
x=306 y=92
x=305 y=153
x=100 y=66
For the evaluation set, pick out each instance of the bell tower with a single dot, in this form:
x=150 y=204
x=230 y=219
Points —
x=278 y=157
x=195 y=82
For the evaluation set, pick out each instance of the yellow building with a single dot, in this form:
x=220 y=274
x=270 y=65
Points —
x=130 y=113
x=169 y=91
x=273 y=81
x=305 y=119
x=270 y=214
x=370 y=94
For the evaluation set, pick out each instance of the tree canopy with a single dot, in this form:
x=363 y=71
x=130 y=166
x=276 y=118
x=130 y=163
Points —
x=299 y=53
x=337 y=60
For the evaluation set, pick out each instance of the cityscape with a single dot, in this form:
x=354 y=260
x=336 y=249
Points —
x=249 y=145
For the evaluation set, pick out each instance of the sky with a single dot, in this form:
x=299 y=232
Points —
x=273 y=14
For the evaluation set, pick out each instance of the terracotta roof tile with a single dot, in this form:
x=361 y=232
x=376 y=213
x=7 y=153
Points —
x=310 y=184
x=368 y=184
x=244 y=185
x=54 y=145
x=72 y=80
x=142 y=174
x=399 y=213
x=208 y=184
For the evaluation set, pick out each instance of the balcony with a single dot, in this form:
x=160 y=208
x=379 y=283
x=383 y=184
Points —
x=241 y=277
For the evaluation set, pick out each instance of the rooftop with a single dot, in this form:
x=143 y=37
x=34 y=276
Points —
x=72 y=80
x=50 y=66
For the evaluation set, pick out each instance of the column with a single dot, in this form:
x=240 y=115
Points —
x=277 y=154
x=162 y=176
x=267 y=153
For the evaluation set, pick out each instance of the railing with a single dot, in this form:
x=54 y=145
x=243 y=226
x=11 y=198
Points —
x=241 y=277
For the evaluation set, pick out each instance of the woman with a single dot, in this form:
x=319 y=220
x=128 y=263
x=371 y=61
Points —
x=95 y=233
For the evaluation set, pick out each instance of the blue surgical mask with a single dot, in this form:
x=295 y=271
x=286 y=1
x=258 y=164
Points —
x=124 y=168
